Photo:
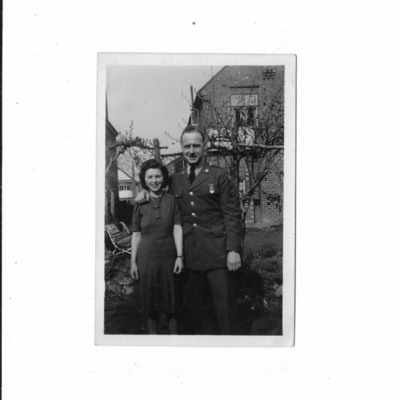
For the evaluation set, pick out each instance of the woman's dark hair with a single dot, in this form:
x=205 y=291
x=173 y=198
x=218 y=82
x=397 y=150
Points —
x=194 y=128
x=153 y=164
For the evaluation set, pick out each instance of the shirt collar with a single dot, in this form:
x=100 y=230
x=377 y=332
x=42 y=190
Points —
x=197 y=169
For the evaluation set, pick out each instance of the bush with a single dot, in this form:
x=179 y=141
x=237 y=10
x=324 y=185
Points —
x=124 y=211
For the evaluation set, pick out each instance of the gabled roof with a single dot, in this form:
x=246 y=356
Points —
x=198 y=98
x=211 y=79
x=121 y=174
x=110 y=127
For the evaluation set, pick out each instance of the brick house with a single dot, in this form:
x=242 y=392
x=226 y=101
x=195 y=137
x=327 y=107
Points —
x=249 y=96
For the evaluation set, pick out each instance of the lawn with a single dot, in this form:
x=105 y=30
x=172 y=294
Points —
x=258 y=287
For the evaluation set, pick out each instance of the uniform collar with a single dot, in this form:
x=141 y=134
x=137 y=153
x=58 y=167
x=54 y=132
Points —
x=204 y=167
x=203 y=175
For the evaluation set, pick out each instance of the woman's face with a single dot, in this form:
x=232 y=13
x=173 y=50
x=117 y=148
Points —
x=154 y=179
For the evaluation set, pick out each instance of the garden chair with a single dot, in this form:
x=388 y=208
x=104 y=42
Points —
x=120 y=237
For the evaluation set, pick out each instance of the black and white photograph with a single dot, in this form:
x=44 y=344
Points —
x=200 y=200
x=198 y=194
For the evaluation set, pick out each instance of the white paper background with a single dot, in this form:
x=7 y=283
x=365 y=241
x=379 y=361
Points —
x=347 y=325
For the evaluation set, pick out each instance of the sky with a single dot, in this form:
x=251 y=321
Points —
x=155 y=98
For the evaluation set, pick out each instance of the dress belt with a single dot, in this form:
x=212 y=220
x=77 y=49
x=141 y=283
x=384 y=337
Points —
x=155 y=236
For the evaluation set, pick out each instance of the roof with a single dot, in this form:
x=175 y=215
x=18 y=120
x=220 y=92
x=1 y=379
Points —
x=211 y=79
x=123 y=175
x=110 y=128
x=198 y=97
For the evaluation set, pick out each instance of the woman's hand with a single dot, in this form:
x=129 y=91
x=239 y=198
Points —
x=178 y=265
x=134 y=271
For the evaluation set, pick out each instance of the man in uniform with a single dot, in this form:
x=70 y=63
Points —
x=211 y=213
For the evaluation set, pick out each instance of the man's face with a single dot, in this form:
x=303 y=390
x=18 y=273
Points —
x=192 y=147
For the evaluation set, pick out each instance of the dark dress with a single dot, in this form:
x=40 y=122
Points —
x=155 y=291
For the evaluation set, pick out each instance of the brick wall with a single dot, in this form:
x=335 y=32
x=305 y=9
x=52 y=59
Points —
x=214 y=103
x=267 y=203
x=271 y=196
x=264 y=81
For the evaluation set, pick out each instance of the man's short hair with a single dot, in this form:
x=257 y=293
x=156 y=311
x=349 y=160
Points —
x=194 y=128
x=153 y=164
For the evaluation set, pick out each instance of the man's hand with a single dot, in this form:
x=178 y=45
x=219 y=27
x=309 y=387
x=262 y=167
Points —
x=142 y=197
x=233 y=261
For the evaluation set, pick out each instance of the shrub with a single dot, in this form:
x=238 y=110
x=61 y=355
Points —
x=124 y=211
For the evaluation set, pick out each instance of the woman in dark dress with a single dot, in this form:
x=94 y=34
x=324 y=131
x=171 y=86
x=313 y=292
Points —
x=156 y=248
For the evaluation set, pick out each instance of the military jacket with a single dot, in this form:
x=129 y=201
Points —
x=211 y=217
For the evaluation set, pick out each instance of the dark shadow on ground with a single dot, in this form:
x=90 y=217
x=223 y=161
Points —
x=122 y=317
x=259 y=309
x=254 y=317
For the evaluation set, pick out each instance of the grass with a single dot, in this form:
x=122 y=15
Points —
x=259 y=308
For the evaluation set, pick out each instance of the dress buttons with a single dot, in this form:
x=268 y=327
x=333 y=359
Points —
x=191 y=193
x=156 y=207
x=194 y=225
x=193 y=214
x=192 y=203
x=158 y=216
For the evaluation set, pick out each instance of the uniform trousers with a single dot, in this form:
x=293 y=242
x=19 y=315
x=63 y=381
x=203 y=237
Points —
x=211 y=297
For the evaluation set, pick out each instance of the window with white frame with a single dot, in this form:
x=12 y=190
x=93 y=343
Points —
x=125 y=186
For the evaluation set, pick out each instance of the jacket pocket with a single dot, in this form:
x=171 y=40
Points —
x=178 y=195
x=218 y=231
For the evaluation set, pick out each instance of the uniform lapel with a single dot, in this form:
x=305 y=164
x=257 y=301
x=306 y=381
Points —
x=184 y=179
x=203 y=175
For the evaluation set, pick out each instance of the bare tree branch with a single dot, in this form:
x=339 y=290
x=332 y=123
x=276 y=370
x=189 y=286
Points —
x=260 y=146
x=245 y=133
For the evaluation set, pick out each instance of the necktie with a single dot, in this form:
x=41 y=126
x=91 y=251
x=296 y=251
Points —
x=192 y=174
